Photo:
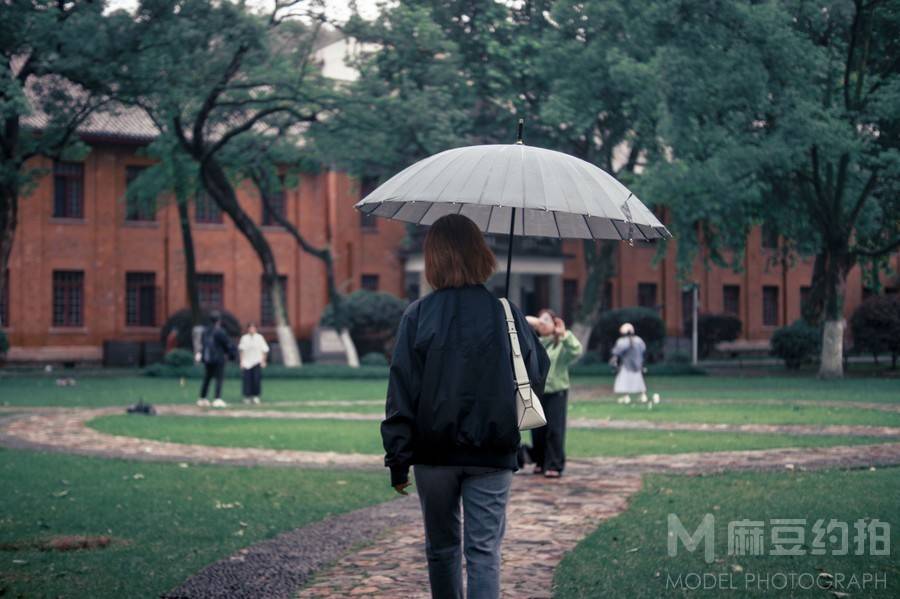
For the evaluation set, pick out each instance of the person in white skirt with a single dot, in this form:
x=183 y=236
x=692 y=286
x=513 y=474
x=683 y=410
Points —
x=628 y=356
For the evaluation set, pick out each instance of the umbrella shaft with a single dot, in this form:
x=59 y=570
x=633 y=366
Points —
x=512 y=224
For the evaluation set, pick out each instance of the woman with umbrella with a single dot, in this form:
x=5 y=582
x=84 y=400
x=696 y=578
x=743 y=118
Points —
x=451 y=412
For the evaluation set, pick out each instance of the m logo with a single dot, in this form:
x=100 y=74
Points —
x=705 y=533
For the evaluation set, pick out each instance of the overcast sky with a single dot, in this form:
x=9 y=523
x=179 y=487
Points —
x=336 y=9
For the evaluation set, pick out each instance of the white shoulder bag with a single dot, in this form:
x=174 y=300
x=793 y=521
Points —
x=529 y=411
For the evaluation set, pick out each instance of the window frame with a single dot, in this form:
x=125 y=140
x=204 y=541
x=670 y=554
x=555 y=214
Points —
x=71 y=180
x=134 y=298
x=68 y=291
x=139 y=213
x=207 y=283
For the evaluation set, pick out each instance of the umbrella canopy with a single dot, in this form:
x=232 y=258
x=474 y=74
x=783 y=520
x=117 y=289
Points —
x=545 y=193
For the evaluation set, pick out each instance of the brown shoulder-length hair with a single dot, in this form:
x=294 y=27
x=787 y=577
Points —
x=456 y=253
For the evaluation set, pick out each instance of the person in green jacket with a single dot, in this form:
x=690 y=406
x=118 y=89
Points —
x=549 y=442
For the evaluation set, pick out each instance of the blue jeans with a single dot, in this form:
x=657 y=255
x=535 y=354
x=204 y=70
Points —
x=484 y=493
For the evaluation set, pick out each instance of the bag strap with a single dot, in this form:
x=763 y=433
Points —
x=520 y=373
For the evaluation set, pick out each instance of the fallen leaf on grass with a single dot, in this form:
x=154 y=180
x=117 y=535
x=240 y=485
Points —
x=62 y=493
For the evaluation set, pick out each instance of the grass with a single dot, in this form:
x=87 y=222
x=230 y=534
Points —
x=106 y=391
x=627 y=556
x=755 y=387
x=162 y=518
x=736 y=412
x=364 y=437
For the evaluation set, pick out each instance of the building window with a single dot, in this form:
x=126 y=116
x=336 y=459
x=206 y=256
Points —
x=367 y=222
x=68 y=190
x=277 y=201
x=769 y=237
x=68 y=298
x=369 y=282
x=137 y=209
x=770 y=306
x=206 y=210
x=140 y=299
x=4 y=301
x=211 y=291
x=647 y=295
x=731 y=299
x=267 y=306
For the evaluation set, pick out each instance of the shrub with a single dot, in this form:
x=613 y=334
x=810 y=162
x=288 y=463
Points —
x=796 y=343
x=179 y=358
x=277 y=371
x=180 y=323
x=647 y=325
x=373 y=318
x=715 y=328
x=875 y=325
x=373 y=359
x=4 y=343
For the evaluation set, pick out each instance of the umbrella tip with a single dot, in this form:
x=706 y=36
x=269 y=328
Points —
x=519 y=129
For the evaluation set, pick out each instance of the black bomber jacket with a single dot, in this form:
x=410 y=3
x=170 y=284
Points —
x=451 y=393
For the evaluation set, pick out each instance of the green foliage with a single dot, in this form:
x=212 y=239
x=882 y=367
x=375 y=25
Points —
x=181 y=325
x=179 y=358
x=4 y=343
x=372 y=317
x=875 y=325
x=647 y=325
x=796 y=343
x=373 y=359
x=715 y=328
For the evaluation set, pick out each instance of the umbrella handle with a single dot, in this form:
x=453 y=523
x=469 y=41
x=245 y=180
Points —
x=512 y=224
x=519 y=130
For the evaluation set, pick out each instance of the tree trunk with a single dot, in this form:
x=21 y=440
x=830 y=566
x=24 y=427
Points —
x=323 y=254
x=187 y=243
x=216 y=183
x=829 y=280
x=600 y=267
x=9 y=210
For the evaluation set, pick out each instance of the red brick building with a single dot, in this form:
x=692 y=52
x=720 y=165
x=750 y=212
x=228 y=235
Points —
x=85 y=269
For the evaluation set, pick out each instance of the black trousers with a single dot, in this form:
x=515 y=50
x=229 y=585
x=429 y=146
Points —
x=252 y=381
x=213 y=371
x=549 y=442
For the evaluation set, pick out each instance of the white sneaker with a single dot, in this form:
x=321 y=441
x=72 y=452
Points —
x=218 y=403
x=643 y=398
x=626 y=400
x=247 y=400
x=203 y=403
x=656 y=398
x=256 y=400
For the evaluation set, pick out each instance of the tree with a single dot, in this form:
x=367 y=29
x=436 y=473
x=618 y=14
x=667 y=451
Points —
x=263 y=159
x=215 y=72
x=607 y=118
x=784 y=113
x=41 y=105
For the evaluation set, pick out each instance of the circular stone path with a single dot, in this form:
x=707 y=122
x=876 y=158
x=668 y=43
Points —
x=379 y=551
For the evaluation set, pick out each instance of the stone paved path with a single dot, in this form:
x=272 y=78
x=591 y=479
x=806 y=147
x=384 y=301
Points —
x=385 y=558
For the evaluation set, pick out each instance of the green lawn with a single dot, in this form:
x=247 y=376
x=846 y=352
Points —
x=364 y=437
x=733 y=412
x=627 y=556
x=166 y=521
x=93 y=391
x=755 y=387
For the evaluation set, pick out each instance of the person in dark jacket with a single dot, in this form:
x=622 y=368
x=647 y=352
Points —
x=451 y=411
x=216 y=349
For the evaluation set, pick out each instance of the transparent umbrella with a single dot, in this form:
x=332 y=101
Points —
x=515 y=189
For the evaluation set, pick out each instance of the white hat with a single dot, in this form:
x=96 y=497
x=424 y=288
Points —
x=626 y=329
